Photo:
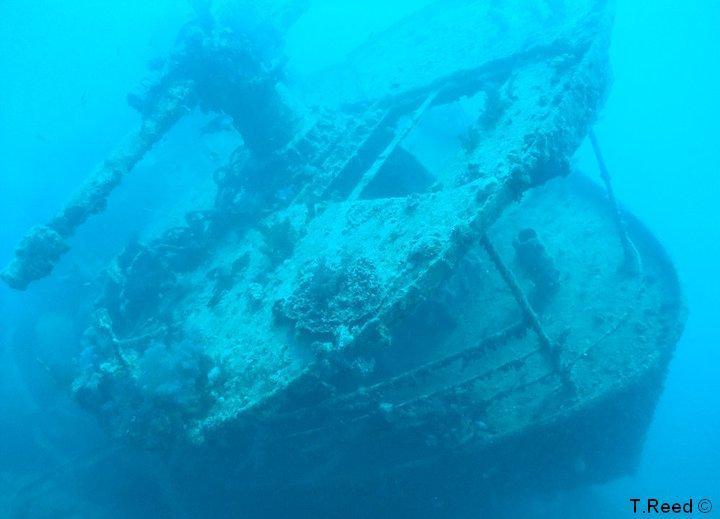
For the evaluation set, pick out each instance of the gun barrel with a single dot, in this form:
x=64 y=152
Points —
x=39 y=251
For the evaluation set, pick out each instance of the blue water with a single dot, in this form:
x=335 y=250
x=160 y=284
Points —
x=658 y=129
x=66 y=68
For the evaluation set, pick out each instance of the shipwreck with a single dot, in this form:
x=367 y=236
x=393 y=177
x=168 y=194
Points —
x=353 y=316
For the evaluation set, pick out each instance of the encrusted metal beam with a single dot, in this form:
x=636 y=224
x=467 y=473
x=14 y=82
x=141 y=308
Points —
x=631 y=264
x=550 y=349
x=400 y=134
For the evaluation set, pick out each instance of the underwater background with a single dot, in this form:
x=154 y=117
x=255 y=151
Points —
x=66 y=68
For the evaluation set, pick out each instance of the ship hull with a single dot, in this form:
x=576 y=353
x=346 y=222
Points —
x=487 y=428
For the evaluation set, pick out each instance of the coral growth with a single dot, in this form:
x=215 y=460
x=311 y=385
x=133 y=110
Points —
x=331 y=295
x=174 y=377
x=170 y=385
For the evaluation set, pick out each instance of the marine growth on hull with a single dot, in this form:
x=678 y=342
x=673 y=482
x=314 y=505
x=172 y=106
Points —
x=367 y=299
